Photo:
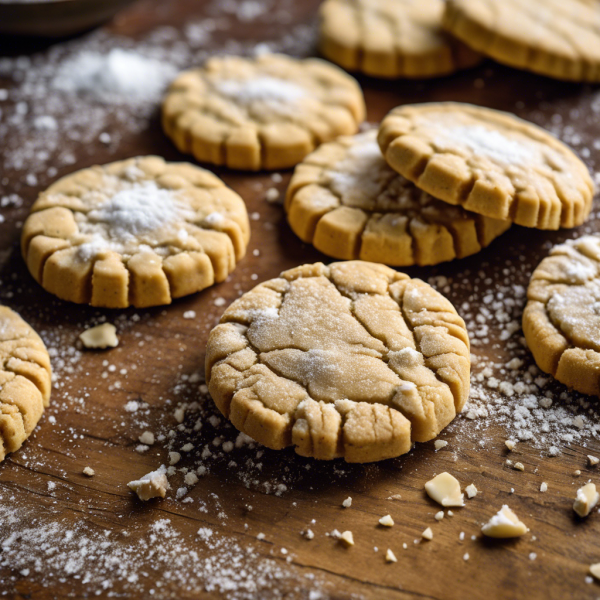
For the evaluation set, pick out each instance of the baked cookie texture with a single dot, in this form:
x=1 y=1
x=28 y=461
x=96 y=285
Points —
x=136 y=232
x=25 y=380
x=556 y=38
x=350 y=204
x=391 y=38
x=561 y=321
x=267 y=112
x=351 y=360
x=489 y=162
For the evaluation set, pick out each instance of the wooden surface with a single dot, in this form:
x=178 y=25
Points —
x=93 y=429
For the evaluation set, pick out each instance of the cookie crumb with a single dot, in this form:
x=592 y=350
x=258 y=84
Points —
x=510 y=445
x=152 y=485
x=532 y=556
x=504 y=524
x=439 y=515
x=427 y=534
x=89 y=471
x=100 y=337
x=386 y=521
x=445 y=490
x=189 y=314
x=595 y=570
x=466 y=556
x=576 y=473
x=471 y=490
x=544 y=487
x=450 y=513
x=439 y=444
x=308 y=534
x=272 y=195
x=260 y=536
x=347 y=538
x=587 y=497
x=174 y=458
x=347 y=503
x=593 y=460
x=519 y=466
x=390 y=556
x=147 y=438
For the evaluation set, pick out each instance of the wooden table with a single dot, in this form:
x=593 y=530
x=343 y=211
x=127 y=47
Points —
x=92 y=427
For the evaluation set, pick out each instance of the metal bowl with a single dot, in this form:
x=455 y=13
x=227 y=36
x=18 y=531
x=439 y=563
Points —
x=55 y=18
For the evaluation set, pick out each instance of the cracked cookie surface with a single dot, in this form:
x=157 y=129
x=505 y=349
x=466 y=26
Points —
x=25 y=380
x=561 y=321
x=490 y=162
x=136 y=232
x=391 y=38
x=267 y=112
x=349 y=203
x=351 y=360
x=556 y=38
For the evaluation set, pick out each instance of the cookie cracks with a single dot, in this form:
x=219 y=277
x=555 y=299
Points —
x=292 y=364
x=25 y=379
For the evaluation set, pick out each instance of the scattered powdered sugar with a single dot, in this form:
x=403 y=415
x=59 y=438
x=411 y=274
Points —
x=120 y=76
x=261 y=89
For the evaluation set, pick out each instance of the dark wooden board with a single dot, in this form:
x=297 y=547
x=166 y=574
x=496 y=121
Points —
x=92 y=427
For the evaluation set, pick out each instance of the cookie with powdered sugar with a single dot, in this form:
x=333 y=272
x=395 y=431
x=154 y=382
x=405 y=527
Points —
x=351 y=360
x=391 y=38
x=556 y=38
x=350 y=204
x=25 y=380
x=137 y=232
x=490 y=162
x=267 y=112
x=561 y=321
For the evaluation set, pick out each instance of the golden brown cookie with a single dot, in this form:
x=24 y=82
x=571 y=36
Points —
x=25 y=380
x=562 y=319
x=489 y=162
x=267 y=112
x=137 y=232
x=557 y=38
x=391 y=38
x=349 y=203
x=351 y=360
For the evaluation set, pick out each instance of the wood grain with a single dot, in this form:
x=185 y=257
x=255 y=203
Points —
x=93 y=429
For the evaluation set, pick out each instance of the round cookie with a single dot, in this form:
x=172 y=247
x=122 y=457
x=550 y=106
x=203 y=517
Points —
x=351 y=360
x=349 y=203
x=267 y=112
x=137 y=232
x=557 y=38
x=391 y=38
x=490 y=162
x=25 y=380
x=561 y=321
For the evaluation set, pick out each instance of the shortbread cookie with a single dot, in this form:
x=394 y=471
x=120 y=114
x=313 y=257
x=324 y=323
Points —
x=351 y=360
x=557 y=38
x=562 y=319
x=267 y=112
x=137 y=232
x=490 y=162
x=391 y=38
x=25 y=380
x=349 y=203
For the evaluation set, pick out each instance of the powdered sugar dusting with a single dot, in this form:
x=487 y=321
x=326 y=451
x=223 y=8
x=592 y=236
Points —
x=261 y=89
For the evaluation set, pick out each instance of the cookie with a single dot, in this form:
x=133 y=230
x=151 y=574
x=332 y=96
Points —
x=25 y=380
x=556 y=38
x=138 y=232
x=561 y=320
x=391 y=38
x=349 y=203
x=489 y=162
x=351 y=360
x=267 y=112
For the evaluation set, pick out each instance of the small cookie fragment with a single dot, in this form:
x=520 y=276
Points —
x=593 y=460
x=586 y=499
x=543 y=487
x=504 y=524
x=595 y=570
x=386 y=521
x=391 y=38
x=471 y=490
x=351 y=360
x=25 y=380
x=390 y=556
x=510 y=444
x=101 y=336
x=151 y=485
x=347 y=503
x=489 y=162
x=445 y=490
x=427 y=534
x=565 y=43
x=347 y=202
x=347 y=538
x=266 y=112
x=560 y=321
x=147 y=438
x=439 y=444
x=136 y=232
x=89 y=471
